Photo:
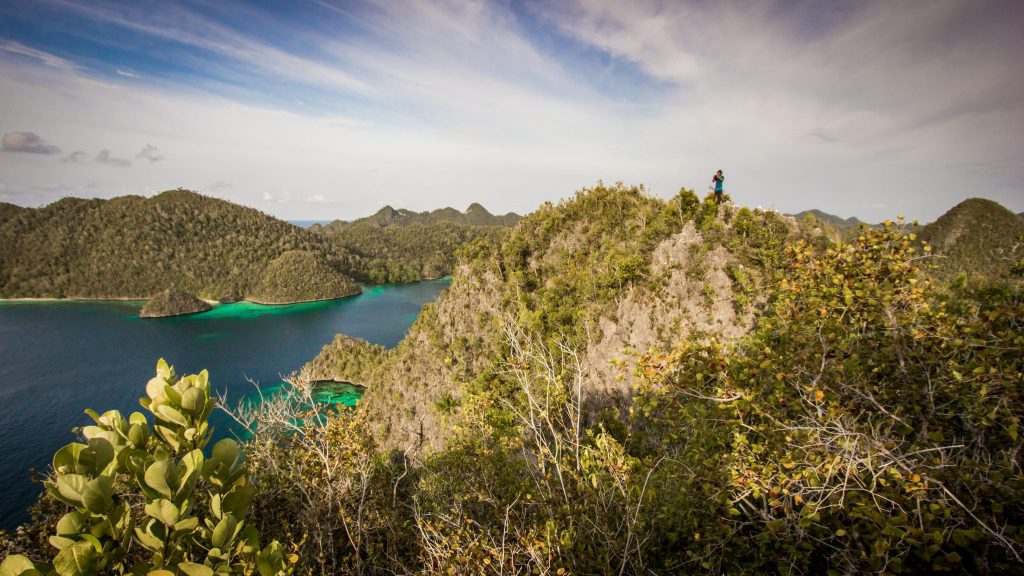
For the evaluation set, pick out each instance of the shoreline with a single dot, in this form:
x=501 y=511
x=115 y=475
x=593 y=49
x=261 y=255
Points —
x=213 y=302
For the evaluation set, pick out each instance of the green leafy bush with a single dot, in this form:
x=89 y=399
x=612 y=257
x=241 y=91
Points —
x=145 y=500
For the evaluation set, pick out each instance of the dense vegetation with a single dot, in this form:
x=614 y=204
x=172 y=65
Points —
x=134 y=247
x=300 y=275
x=977 y=238
x=409 y=253
x=173 y=303
x=633 y=386
x=405 y=246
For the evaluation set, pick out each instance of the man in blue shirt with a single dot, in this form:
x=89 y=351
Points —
x=718 y=179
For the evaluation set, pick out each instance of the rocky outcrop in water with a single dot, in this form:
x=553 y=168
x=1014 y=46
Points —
x=172 y=302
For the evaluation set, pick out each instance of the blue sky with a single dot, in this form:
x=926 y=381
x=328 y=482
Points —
x=327 y=109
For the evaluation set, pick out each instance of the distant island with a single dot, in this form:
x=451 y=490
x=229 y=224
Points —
x=838 y=222
x=403 y=246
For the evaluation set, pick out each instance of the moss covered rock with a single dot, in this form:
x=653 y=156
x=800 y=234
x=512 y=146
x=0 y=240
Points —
x=172 y=302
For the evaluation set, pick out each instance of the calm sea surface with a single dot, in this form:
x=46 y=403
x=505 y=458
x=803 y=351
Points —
x=59 y=358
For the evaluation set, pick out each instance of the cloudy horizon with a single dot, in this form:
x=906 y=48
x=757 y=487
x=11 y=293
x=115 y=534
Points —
x=331 y=109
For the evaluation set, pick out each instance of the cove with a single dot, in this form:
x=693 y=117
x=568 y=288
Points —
x=58 y=358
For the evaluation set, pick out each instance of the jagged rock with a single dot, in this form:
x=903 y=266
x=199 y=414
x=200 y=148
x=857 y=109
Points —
x=172 y=302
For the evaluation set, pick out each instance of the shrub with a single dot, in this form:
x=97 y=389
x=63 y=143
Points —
x=147 y=500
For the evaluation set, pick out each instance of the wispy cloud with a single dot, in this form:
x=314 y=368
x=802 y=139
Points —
x=76 y=157
x=151 y=153
x=46 y=58
x=29 y=142
x=104 y=157
x=126 y=73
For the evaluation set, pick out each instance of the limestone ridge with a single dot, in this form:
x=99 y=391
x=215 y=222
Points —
x=135 y=247
x=613 y=271
x=172 y=302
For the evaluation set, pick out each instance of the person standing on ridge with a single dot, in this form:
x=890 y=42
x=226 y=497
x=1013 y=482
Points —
x=718 y=179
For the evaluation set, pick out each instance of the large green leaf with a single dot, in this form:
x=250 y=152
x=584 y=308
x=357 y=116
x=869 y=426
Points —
x=65 y=461
x=79 y=559
x=193 y=569
x=70 y=488
x=72 y=523
x=237 y=501
x=95 y=457
x=164 y=510
x=162 y=476
x=97 y=497
x=169 y=414
x=224 y=532
x=18 y=565
x=193 y=401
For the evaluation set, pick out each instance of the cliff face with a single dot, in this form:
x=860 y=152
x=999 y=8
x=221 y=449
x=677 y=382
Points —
x=600 y=277
x=172 y=302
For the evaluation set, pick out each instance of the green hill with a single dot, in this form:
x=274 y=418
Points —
x=978 y=237
x=404 y=246
x=838 y=222
x=8 y=211
x=610 y=269
x=135 y=247
x=387 y=217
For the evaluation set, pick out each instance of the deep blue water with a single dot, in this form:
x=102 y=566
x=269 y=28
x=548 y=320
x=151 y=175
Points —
x=59 y=358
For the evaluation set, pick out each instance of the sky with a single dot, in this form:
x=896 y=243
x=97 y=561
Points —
x=323 y=109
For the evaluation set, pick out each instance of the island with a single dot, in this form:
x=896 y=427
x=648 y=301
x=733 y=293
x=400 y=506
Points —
x=173 y=302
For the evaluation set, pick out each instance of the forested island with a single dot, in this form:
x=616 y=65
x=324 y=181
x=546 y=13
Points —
x=173 y=303
x=405 y=246
x=132 y=247
x=617 y=384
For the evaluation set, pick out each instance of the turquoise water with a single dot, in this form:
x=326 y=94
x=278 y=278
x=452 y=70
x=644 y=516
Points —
x=58 y=358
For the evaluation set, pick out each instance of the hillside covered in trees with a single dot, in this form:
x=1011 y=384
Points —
x=405 y=246
x=134 y=247
x=977 y=238
x=623 y=384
